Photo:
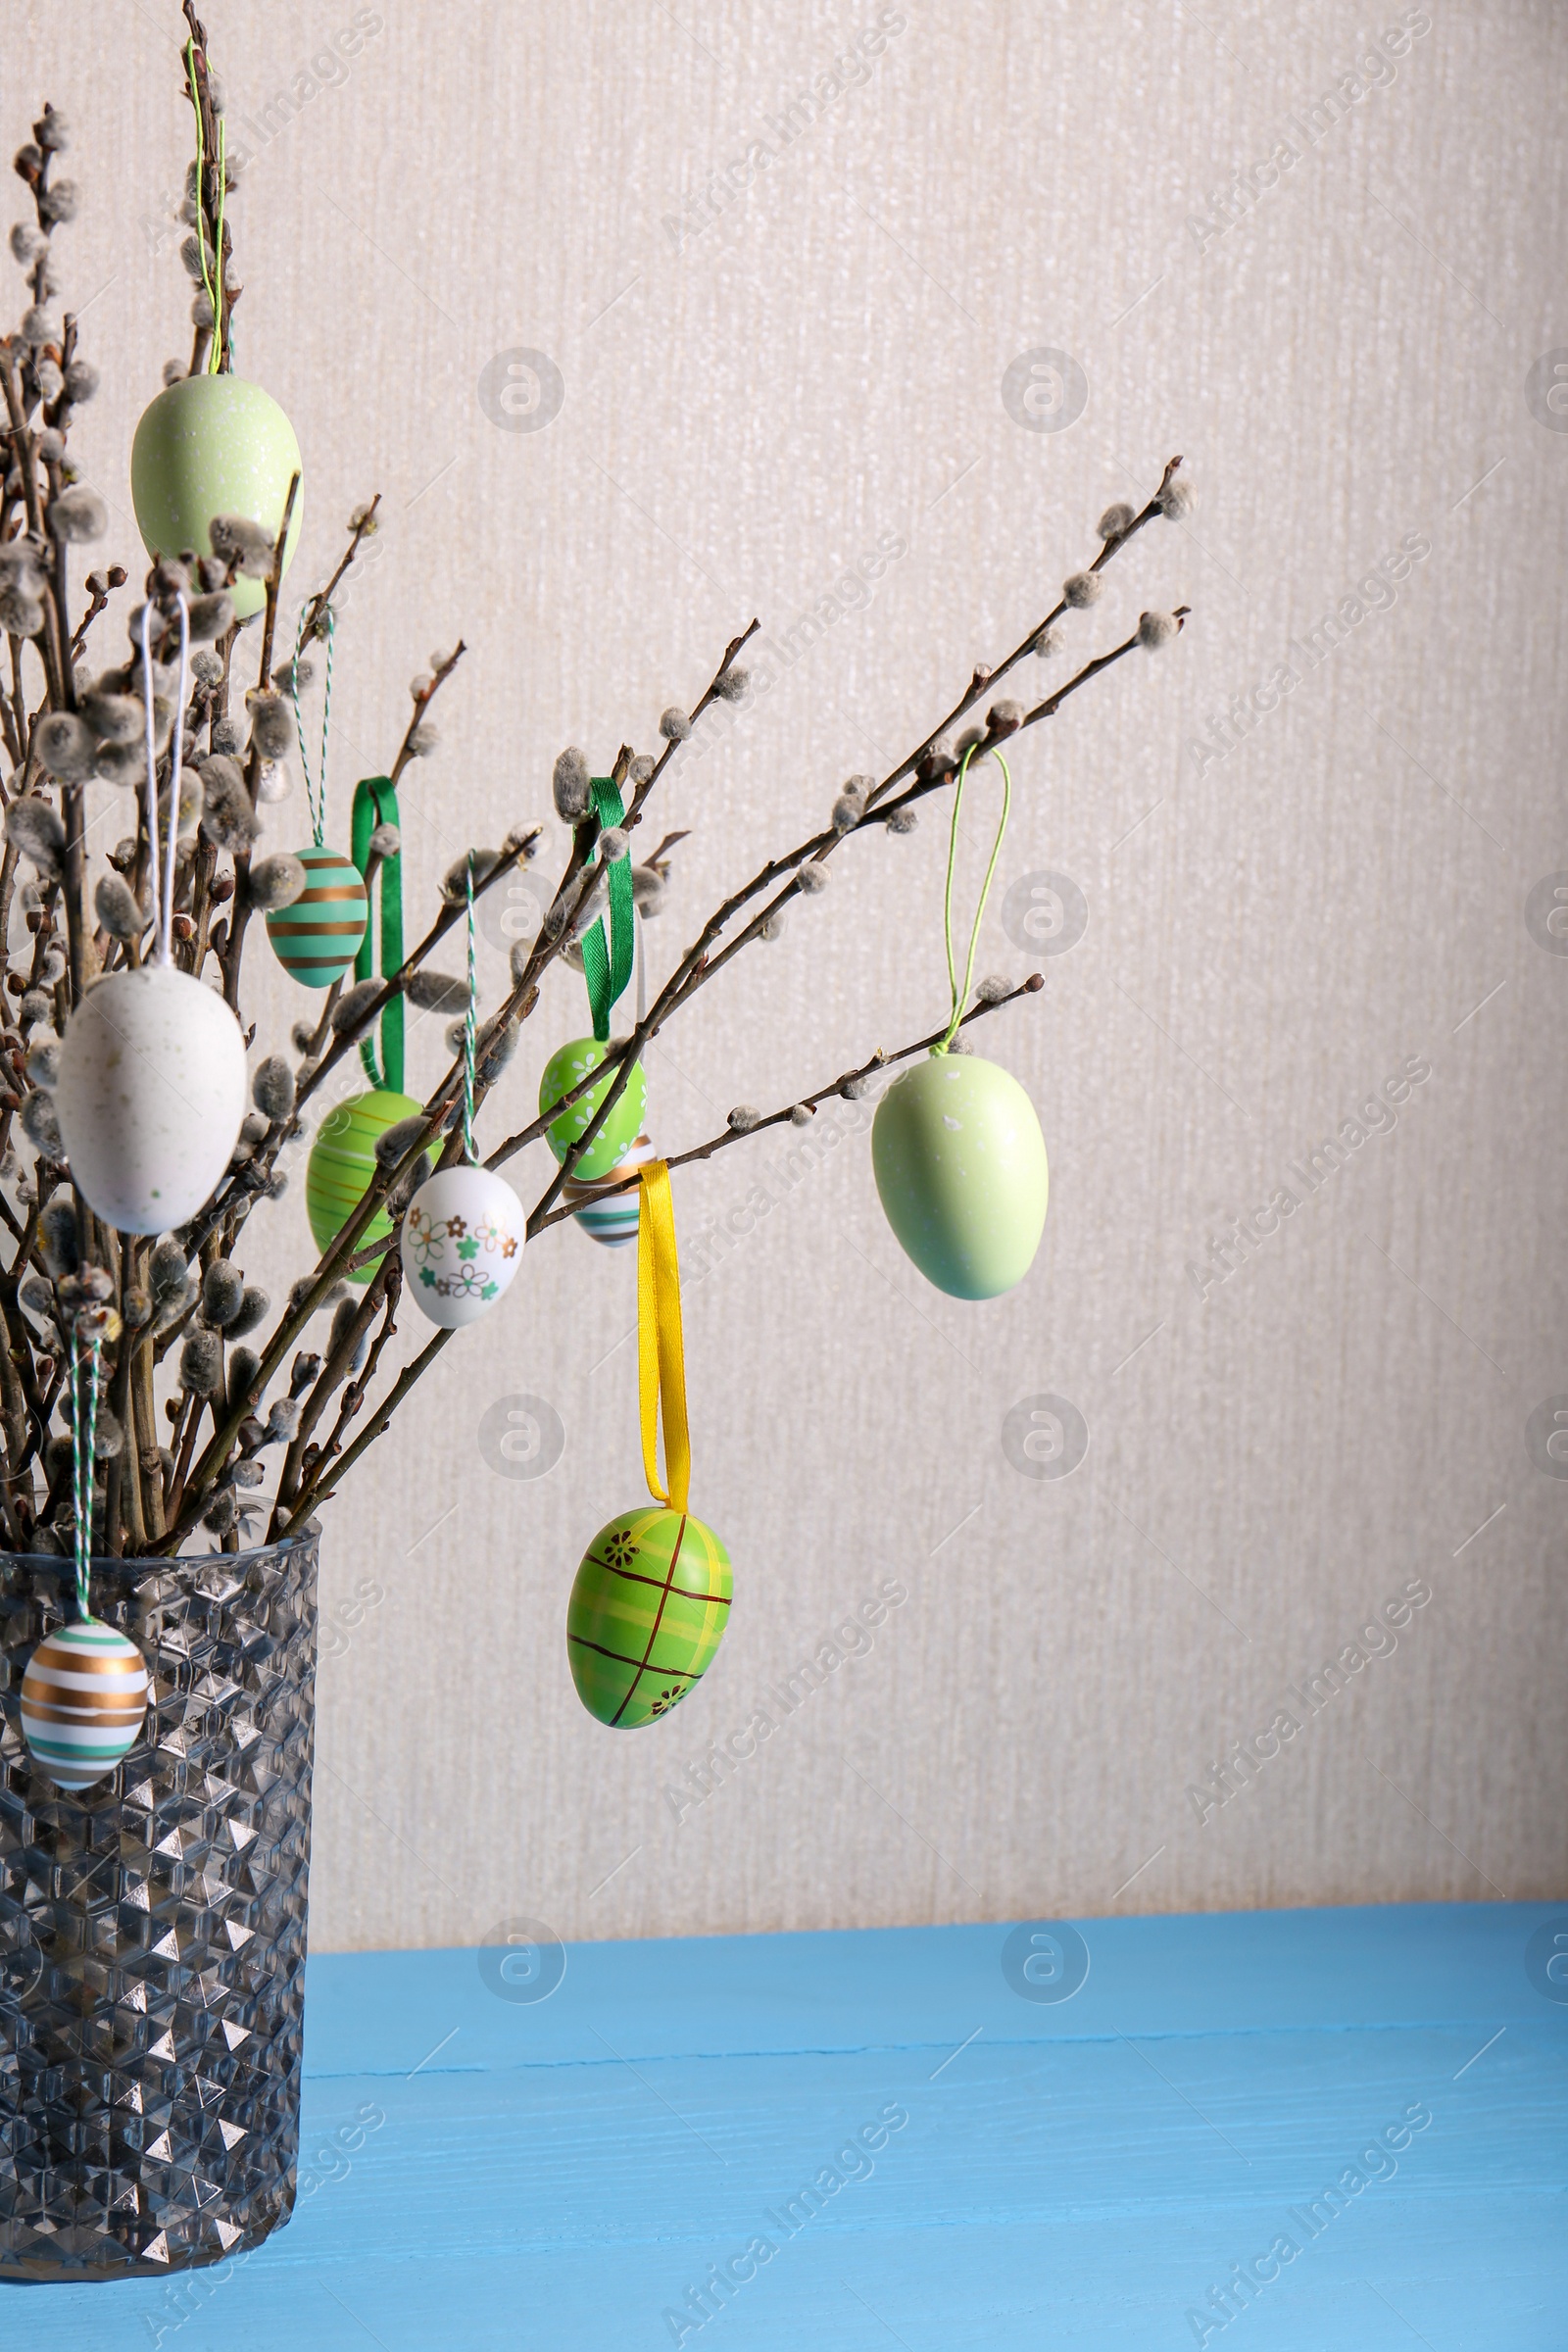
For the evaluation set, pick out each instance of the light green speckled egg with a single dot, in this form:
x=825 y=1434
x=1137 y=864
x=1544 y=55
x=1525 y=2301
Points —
x=213 y=445
x=622 y=1130
x=960 y=1167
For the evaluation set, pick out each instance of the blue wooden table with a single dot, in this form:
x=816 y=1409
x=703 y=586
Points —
x=1314 y=2130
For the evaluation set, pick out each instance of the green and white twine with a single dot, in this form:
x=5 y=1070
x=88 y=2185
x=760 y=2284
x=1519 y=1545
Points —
x=960 y=996
x=317 y=802
x=469 y=1030
x=81 y=1463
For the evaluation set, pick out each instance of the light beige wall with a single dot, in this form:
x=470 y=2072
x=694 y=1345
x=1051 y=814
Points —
x=749 y=407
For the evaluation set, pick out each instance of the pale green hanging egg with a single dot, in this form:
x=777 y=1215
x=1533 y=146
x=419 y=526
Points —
x=213 y=445
x=960 y=1168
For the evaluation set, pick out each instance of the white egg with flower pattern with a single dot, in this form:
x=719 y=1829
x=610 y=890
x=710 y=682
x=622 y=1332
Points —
x=462 y=1244
x=150 y=1096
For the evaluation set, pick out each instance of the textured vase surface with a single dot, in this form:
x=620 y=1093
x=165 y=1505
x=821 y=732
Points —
x=153 y=1927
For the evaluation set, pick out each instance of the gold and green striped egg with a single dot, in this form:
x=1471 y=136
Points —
x=83 y=1702
x=648 y=1610
x=317 y=939
x=342 y=1163
x=604 y=1216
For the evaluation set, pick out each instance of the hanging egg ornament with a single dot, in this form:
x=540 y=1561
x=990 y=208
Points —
x=342 y=1163
x=83 y=1703
x=213 y=445
x=462 y=1244
x=604 y=1215
x=648 y=1610
x=960 y=1168
x=620 y=1131
x=317 y=936
x=150 y=1096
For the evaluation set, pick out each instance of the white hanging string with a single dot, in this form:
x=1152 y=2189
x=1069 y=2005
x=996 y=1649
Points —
x=160 y=885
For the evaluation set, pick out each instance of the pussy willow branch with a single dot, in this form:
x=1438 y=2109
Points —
x=822 y=844
x=245 y=1184
x=697 y=966
x=379 y=1424
x=381 y=1293
x=330 y=1266
x=339 y=1255
x=318 y=1462
x=208 y=200
x=823 y=1093
x=318 y=1493
x=565 y=907
x=241 y=905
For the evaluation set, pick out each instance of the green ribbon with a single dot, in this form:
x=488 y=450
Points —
x=376 y=803
x=606 y=969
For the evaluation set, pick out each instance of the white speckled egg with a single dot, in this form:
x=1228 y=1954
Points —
x=150 y=1096
x=462 y=1244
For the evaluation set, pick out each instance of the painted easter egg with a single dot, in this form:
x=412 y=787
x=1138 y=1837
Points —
x=342 y=1163
x=620 y=1132
x=462 y=1244
x=213 y=445
x=317 y=937
x=83 y=1700
x=648 y=1609
x=610 y=1216
x=150 y=1096
x=960 y=1167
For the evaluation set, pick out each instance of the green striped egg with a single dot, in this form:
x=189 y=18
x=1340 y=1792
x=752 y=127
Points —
x=342 y=1163
x=619 y=1134
x=609 y=1217
x=648 y=1609
x=83 y=1699
x=317 y=937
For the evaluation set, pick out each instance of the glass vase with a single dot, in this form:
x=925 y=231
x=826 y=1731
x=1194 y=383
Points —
x=153 y=1927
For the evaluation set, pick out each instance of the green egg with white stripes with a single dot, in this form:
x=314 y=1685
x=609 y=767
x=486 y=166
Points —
x=317 y=937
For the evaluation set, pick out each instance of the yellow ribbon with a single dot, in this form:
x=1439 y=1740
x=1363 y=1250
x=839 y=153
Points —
x=660 y=1354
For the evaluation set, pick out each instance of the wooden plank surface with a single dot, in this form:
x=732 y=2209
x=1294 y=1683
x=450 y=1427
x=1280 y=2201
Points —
x=491 y=2174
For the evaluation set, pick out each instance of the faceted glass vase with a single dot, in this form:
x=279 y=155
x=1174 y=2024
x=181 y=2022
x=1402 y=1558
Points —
x=152 y=1927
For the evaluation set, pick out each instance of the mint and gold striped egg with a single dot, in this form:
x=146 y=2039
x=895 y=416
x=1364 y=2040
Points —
x=83 y=1700
x=317 y=937
x=567 y=1067
x=342 y=1163
x=648 y=1609
x=607 y=1216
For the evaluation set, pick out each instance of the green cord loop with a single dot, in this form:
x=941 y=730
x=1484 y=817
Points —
x=216 y=351
x=961 y=996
